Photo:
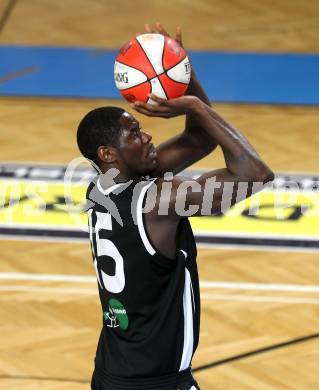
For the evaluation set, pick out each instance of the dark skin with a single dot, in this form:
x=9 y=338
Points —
x=136 y=155
x=204 y=129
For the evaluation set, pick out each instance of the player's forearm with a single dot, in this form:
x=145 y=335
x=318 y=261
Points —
x=192 y=125
x=195 y=89
x=241 y=158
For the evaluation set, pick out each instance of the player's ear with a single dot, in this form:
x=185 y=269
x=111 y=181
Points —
x=107 y=154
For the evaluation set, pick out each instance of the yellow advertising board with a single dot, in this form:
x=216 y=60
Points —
x=282 y=215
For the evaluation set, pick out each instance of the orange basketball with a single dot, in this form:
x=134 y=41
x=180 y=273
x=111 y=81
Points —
x=152 y=63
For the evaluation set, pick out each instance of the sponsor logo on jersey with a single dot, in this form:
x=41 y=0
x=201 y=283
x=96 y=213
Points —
x=116 y=315
x=110 y=319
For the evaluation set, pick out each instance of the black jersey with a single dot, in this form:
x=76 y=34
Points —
x=150 y=303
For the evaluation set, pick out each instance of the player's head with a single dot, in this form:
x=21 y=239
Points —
x=111 y=137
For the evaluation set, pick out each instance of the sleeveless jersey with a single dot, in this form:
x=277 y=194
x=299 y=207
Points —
x=150 y=303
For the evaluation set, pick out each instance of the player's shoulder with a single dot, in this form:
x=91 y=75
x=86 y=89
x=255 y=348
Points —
x=172 y=181
x=164 y=192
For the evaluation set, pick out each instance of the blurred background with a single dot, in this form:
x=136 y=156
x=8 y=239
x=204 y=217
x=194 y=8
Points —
x=259 y=274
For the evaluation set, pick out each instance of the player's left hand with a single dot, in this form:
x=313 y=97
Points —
x=159 y=29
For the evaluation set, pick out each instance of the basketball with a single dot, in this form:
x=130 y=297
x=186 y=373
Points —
x=152 y=63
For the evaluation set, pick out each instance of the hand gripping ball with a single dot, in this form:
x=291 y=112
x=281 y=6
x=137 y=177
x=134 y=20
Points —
x=152 y=63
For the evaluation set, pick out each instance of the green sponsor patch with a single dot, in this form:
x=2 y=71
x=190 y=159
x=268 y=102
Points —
x=119 y=312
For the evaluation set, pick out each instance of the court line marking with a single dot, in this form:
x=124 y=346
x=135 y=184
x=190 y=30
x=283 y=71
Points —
x=203 y=283
x=18 y=73
x=7 y=13
x=257 y=298
x=259 y=286
x=195 y=369
x=211 y=297
x=256 y=248
x=257 y=351
x=278 y=237
x=47 y=277
x=214 y=246
x=43 y=378
x=249 y=247
x=54 y=290
x=199 y=234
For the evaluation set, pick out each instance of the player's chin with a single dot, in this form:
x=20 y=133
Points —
x=151 y=164
x=152 y=157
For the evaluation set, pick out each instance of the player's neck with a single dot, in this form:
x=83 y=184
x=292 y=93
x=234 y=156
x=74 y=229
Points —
x=117 y=175
x=124 y=176
x=113 y=178
x=125 y=179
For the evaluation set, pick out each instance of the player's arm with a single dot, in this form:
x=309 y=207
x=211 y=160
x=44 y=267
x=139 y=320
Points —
x=191 y=145
x=207 y=194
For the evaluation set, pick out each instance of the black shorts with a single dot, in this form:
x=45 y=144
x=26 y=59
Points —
x=179 y=381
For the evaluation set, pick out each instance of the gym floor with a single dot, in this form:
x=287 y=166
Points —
x=259 y=327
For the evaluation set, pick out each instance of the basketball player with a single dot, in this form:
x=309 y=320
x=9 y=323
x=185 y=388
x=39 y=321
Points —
x=143 y=247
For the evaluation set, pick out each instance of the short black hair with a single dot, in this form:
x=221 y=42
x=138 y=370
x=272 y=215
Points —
x=100 y=126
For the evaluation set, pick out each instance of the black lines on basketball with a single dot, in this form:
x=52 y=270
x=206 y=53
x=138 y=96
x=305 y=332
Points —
x=136 y=85
x=164 y=90
x=153 y=55
x=177 y=63
x=178 y=82
x=134 y=67
x=146 y=55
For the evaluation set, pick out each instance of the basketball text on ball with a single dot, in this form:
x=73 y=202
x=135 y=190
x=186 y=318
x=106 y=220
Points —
x=121 y=77
x=152 y=63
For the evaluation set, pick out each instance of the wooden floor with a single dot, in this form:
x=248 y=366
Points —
x=49 y=329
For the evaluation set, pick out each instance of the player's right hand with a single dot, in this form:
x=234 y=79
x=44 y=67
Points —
x=168 y=108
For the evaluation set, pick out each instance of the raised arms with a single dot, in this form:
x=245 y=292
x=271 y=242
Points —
x=243 y=164
x=192 y=144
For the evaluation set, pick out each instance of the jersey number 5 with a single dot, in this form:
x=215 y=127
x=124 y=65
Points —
x=103 y=247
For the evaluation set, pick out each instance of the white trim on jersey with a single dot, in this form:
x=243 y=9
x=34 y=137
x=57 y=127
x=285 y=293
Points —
x=92 y=246
x=192 y=291
x=188 y=323
x=194 y=308
x=108 y=190
x=140 y=224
